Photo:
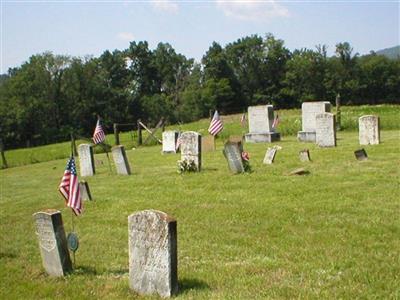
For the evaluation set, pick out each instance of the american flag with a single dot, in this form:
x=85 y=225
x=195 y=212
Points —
x=69 y=187
x=98 y=135
x=216 y=124
x=243 y=119
x=276 y=121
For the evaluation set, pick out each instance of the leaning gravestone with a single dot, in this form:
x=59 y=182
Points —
x=86 y=161
x=304 y=155
x=191 y=148
x=233 y=154
x=261 y=130
x=85 y=191
x=309 y=111
x=369 y=130
x=325 y=133
x=52 y=242
x=120 y=160
x=169 y=139
x=153 y=260
x=270 y=156
x=361 y=154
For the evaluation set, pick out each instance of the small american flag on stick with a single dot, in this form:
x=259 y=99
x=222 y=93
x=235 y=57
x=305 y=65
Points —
x=69 y=187
x=216 y=125
x=98 y=135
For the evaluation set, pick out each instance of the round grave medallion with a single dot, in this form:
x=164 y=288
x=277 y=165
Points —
x=73 y=241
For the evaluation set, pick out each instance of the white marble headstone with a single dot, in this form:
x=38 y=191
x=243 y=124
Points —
x=191 y=148
x=121 y=160
x=169 y=139
x=325 y=130
x=369 y=131
x=309 y=111
x=261 y=118
x=86 y=160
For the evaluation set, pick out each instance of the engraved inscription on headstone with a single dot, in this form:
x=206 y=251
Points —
x=52 y=242
x=85 y=191
x=309 y=111
x=361 y=154
x=326 y=130
x=86 y=160
x=191 y=148
x=121 y=160
x=261 y=130
x=233 y=154
x=304 y=155
x=153 y=266
x=270 y=155
x=169 y=139
x=369 y=131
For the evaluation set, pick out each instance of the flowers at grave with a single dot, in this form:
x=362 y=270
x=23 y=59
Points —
x=246 y=161
x=186 y=166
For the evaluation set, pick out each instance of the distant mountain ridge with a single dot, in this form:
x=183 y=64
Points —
x=392 y=53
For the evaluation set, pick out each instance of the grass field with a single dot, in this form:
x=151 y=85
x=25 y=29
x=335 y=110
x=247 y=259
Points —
x=332 y=234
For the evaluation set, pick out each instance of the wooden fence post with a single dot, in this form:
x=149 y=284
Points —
x=116 y=134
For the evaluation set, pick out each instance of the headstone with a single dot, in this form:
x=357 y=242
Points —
x=361 y=154
x=261 y=119
x=304 y=155
x=325 y=130
x=208 y=143
x=369 y=131
x=86 y=160
x=191 y=148
x=169 y=139
x=233 y=154
x=120 y=160
x=299 y=171
x=270 y=155
x=52 y=242
x=309 y=111
x=85 y=191
x=153 y=260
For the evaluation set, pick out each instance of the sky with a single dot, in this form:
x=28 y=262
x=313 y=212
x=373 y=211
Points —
x=81 y=28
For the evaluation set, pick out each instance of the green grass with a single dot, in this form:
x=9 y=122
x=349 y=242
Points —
x=332 y=234
x=290 y=124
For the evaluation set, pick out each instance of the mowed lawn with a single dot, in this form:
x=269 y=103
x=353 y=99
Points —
x=334 y=233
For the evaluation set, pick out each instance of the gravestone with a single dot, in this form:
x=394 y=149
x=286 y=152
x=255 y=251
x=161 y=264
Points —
x=361 y=154
x=299 y=171
x=261 y=119
x=85 y=191
x=120 y=160
x=52 y=242
x=270 y=156
x=153 y=260
x=169 y=139
x=233 y=154
x=325 y=133
x=208 y=143
x=369 y=131
x=191 y=148
x=309 y=111
x=86 y=160
x=304 y=155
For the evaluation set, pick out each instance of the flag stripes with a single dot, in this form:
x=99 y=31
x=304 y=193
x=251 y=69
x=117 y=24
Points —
x=216 y=125
x=69 y=187
x=98 y=135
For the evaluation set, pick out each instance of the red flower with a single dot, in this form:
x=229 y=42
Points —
x=245 y=156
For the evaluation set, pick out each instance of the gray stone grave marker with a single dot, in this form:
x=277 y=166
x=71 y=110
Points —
x=309 y=111
x=326 y=130
x=304 y=155
x=169 y=139
x=52 y=242
x=369 y=131
x=121 y=160
x=86 y=160
x=153 y=266
x=270 y=155
x=361 y=154
x=233 y=154
x=261 y=119
x=191 y=148
x=85 y=191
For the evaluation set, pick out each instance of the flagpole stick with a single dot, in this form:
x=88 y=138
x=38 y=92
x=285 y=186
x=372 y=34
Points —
x=73 y=230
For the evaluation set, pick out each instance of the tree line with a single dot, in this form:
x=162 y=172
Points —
x=49 y=96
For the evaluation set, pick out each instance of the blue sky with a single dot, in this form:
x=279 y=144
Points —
x=82 y=28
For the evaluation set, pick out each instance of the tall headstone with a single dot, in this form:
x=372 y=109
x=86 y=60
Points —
x=52 y=242
x=325 y=130
x=369 y=131
x=121 y=160
x=309 y=111
x=153 y=260
x=85 y=191
x=261 y=130
x=86 y=160
x=233 y=154
x=191 y=148
x=270 y=156
x=169 y=139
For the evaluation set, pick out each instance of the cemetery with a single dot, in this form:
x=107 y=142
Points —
x=309 y=212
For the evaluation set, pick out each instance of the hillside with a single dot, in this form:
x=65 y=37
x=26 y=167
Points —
x=392 y=53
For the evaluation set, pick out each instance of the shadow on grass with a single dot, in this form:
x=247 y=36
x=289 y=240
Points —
x=188 y=284
x=7 y=255
x=209 y=169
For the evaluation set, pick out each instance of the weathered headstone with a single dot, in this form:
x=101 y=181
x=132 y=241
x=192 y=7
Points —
x=169 y=139
x=261 y=130
x=121 y=160
x=153 y=260
x=191 y=148
x=52 y=242
x=208 y=143
x=304 y=155
x=86 y=160
x=309 y=111
x=233 y=154
x=270 y=156
x=85 y=191
x=325 y=133
x=361 y=154
x=369 y=131
x=299 y=171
